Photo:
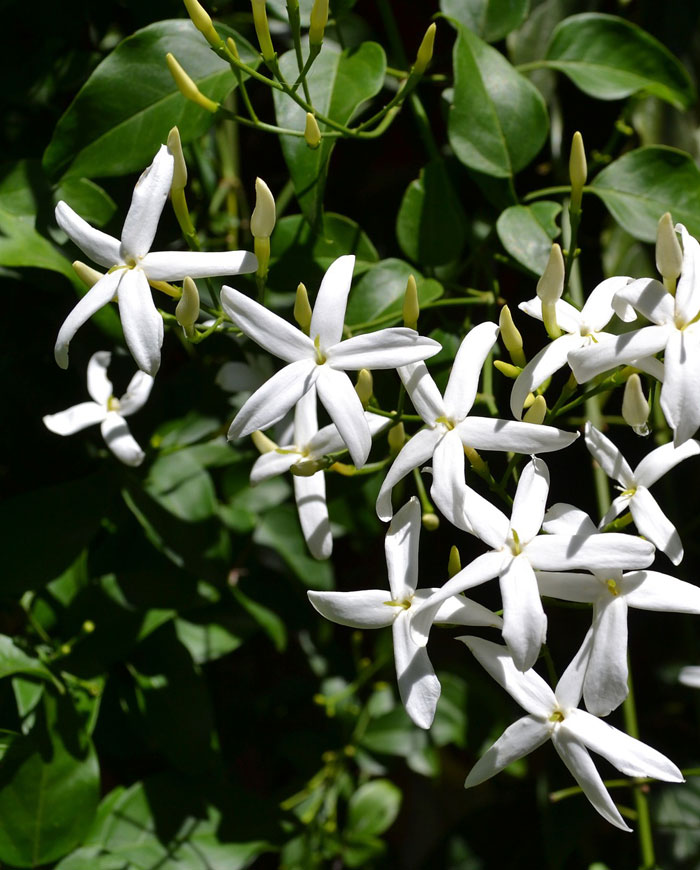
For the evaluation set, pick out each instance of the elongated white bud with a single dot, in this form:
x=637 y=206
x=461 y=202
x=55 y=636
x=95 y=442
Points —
x=454 y=563
x=262 y=442
x=312 y=134
x=187 y=309
x=549 y=289
x=411 y=306
x=179 y=181
x=425 y=51
x=302 y=309
x=86 y=273
x=537 y=411
x=262 y=29
x=202 y=21
x=669 y=256
x=262 y=221
x=187 y=87
x=318 y=21
x=635 y=408
x=578 y=171
x=512 y=338
x=364 y=386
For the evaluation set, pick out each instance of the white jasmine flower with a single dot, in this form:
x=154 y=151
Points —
x=320 y=358
x=650 y=520
x=690 y=676
x=450 y=428
x=418 y=686
x=106 y=410
x=554 y=715
x=131 y=267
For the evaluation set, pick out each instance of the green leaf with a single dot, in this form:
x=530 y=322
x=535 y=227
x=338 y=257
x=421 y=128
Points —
x=610 y=58
x=182 y=486
x=279 y=529
x=88 y=199
x=112 y=127
x=527 y=233
x=490 y=19
x=431 y=226
x=374 y=807
x=267 y=619
x=381 y=290
x=22 y=245
x=393 y=733
x=14 y=661
x=643 y=184
x=205 y=637
x=450 y=723
x=339 y=83
x=498 y=120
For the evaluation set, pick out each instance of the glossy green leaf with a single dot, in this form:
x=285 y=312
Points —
x=206 y=640
x=14 y=661
x=267 y=619
x=182 y=486
x=373 y=808
x=381 y=290
x=498 y=120
x=22 y=245
x=279 y=529
x=88 y=199
x=23 y=187
x=113 y=127
x=490 y=19
x=610 y=58
x=527 y=233
x=431 y=226
x=643 y=184
x=450 y=723
x=339 y=83
x=393 y=733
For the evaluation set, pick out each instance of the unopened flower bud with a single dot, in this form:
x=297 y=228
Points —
x=179 y=181
x=312 y=134
x=635 y=408
x=475 y=460
x=549 y=289
x=506 y=368
x=537 y=411
x=187 y=309
x=396 y=436
x=669 y=257
x=411 y=306
x=302 y=309
x=202 y=22
x=262 y=221
x=233 y=48
x=86 y=273
x=430 y=521
x=454 y=563
x=88 y=626
x=262 y=29
x=262 y=442
x=318 y=21
x=187 y=87
x=364 y=386
x=425 y=51
x=578 y=171
x=512 y=338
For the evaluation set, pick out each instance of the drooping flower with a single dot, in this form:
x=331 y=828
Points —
x=106 y=410
x=131 y=267
x=450 y=428
x=418 y=686
x=320 y=358
x=555 y=715
x=650 y=520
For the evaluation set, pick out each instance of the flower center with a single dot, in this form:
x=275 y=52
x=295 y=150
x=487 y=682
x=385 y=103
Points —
x=406 y=603
x=320 y=356
x=514 y=543
x=612 y=587
x=446 y=422
x=112 y=404
x=557 y=716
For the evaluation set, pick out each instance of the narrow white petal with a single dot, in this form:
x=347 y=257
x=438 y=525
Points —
x=662 y=460
x=653 y=523
x=120 y=440
x=652 y=590
x=485 y=433
x=568 y=317
x=419 y=688
x=328 y=440
x=587 y=362
x=136 y=394
x=97 y=297
x=362 y=609
x=266 y=328
x=570 y=686
x=528 y=688
x=605 y=686
x=176 y=265
x=609 y=552
x=385 y=349
x=466 y=369
x=459 y=610
x=488 y=523
x=568 y=586
x=412 y=455
x=98 y=384
x=618 y=505
x=688 y=290
x=447 y=490
x=273 y=463
x=598 y=310
x=305 y=418
x=423 y=391
x=401 y=549
x=524 y=620
x=271 y=402
x=518 y=740
x=338 y=396
x=580 y=765
x=608 y=456
x=680 y=394
x=649 y=297
x=690 y=676
x=530 y=500
x=100 y=247
x=143 y=325
x=565 y=519
x=76 y=418
x=550 y=359
x=149 y=197
x=310 y=495
x=331 y=301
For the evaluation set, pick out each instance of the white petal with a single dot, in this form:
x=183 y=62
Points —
x=662 y=460
x=401 y=549
x=271 y=402
x=75 y=419
x=570 y=686
x=568 y=586
x=95 y=298
x=550 y=359
x=608 y=456
x=565 y=519
x=136 y=394
x=265 y=328
x=587 y=362
x=653 y=523
x=100 y=247
x=690 y=676
x=143 y=325
x=488 y=523
x=518 y=740
x=413 y=454
x=688 y=290
x=310 y=495
x=530 y=500
x=680 y=394
x=609 y=552
x=332 y=298
x=466 y=369
x=273 y=463
x=418 y=686
x=580 y=765
x=338 y=396
x=649 y=297
x=528 y=688
x=484 y=433
x=605 y=686
x=98 y=384
x=459 y=610
x=568 y=317
x=423 y=391
x=120 y=440
x=598 y=310
x=176 y=265
x=362 y=609
x=149 y=197
x=447 y=490
x=618 y=505
x=524 y=620
x=384 y=349
x=652 y=590
x=305 y=418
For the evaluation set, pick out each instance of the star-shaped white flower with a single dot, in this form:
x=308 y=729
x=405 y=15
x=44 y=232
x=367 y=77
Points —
x=418 y=686
x=518 y=551
x=308 y=444
x=131 y=267
x=320 y=358
x=106 y=410
x=676 y=331
x=449 y=427
x=610 y=592
x=650 y=520
x=554 y=715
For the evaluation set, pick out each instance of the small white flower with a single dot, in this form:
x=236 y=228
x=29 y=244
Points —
x=106 y=410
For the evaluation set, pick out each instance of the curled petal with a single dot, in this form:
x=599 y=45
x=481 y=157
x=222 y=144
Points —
x=687 y=300
x=487 y=522
x=598 y=309
x=100 y=247
x=328 y=440
x=176 y=265
x=680 y=394
x=466 y=369
x=652 y=590
x=605 y=685
x=143 y=325
x=485 y=433
x=98 y=384
x=120 y=441
x=136 y=394
x=75 y=419
x=419 y=688
x=149 y=197
x=96 y=297
x=401 y=549
x=662 y=460
x=273 y=463
x=530 y=500
x=524 y=620
x=459 y=610
x=518 y=740
x=587 y=362
x=565 y=519
x=550 y=359
x=412 y=455
x=423 y=391
x=570 y=686
x=332 y=298
x=653 y=523
x=608 y=456
x=310 y=495
x=568 y=317
x=338 y=396
x=649 y=297
x=449 y=484
x=385 y=349
x=363 y=609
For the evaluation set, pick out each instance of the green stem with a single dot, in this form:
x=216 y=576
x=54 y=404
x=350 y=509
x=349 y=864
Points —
x=564 y=793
